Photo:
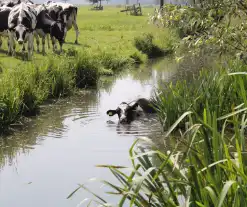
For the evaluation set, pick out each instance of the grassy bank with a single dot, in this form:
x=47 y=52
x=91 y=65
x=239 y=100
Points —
x=107 y=44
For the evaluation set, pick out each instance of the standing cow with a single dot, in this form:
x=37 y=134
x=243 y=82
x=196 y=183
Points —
x=22 y=23
x=47 y=26
x=68 y=14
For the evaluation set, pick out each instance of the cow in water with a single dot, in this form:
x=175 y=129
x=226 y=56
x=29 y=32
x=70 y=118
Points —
x=66 y=12
x=128 y=112
x=22 y=23
x=47 y=26
x=4 y=15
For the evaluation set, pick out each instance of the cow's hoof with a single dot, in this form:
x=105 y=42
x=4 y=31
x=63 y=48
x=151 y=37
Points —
x=76 y=42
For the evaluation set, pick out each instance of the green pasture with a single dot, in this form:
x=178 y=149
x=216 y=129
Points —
x=109 y=31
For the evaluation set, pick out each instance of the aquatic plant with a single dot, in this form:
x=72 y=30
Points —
x=214 y=89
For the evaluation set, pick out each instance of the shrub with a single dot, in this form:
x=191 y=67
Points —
x=138 y=57
x=113 y=61
x=145 y=45
x=85 y=69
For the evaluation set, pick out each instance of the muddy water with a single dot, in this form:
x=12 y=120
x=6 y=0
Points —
x=41 y=165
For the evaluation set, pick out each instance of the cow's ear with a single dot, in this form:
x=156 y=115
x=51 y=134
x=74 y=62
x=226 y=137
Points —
x=111 y=112
x=11 y=26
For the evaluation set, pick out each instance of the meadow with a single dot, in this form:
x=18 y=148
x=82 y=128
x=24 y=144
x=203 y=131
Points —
x=108 y=42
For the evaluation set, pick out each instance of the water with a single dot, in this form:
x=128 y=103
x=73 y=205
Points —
x=43 y=163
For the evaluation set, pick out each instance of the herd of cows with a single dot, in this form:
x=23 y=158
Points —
x=23 y=21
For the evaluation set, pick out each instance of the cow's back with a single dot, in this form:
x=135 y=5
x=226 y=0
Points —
x=23 y=14
x=12 y=3
x=44 y=21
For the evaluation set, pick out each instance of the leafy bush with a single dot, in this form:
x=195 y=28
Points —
x=219 y=25
x=138 y=57
x=146 y=45
x=113 y=61
x=86 y=71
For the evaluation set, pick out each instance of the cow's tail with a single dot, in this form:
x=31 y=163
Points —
x=75 y=13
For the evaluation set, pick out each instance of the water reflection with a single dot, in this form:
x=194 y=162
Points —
x=54 y=122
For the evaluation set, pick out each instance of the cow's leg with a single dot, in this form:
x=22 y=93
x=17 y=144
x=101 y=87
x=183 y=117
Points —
x=30 y=46
x=76 y=31
x=48 y=41
x=53 y=40
x=61 y=47
x=43 y=45
x=1 y=42
x=11 y=48
x=65 y=34
x=37 y=43
x=23 y=48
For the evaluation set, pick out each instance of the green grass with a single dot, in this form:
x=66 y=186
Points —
x=212 y=89
x=106 y=46
x=107 y=31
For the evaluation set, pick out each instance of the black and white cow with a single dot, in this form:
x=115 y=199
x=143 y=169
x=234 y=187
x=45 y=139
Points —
x=128 y=112
x=68 y=14
x=46 y=25
x=4 y=15
x=22 y=23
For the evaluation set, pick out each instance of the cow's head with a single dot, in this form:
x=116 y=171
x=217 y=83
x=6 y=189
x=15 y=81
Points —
x=21 y=33
x=58 y=31
x=126 y=113
x=66 y=14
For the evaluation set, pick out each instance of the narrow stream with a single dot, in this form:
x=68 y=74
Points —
x=42 y=164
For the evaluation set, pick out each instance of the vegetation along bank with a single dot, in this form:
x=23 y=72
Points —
x=108 y=42
x=207 y=166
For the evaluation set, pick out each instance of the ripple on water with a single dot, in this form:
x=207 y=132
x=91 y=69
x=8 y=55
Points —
x=83 y=116
x=143 y=127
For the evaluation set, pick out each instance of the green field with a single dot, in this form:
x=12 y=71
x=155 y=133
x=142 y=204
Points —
x=108 y=42
x=100 y=31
